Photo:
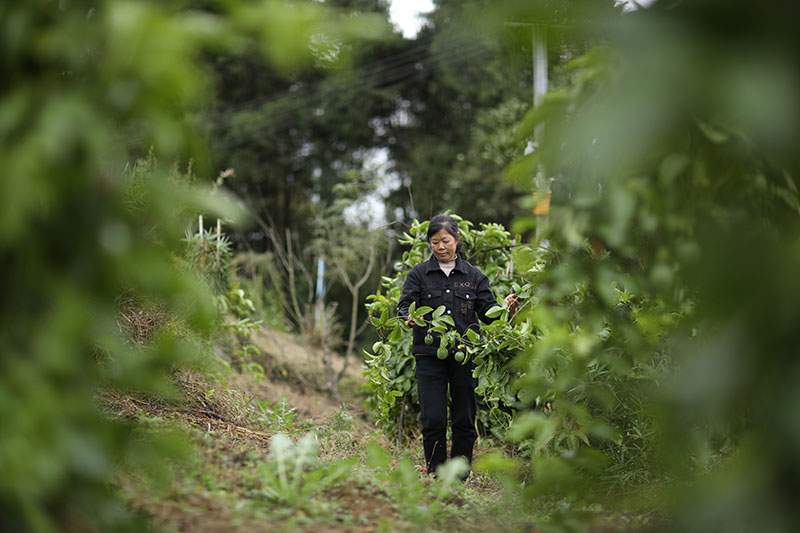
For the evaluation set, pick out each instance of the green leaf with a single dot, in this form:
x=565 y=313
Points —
x=534 y=425
x=494 y=312
x=712 y=133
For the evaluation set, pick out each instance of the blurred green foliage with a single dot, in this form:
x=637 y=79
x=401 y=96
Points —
x=664 y=288
x=662 y=323
x=86 y=84
x=675 y=217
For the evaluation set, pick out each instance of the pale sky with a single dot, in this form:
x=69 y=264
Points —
x=405 y=14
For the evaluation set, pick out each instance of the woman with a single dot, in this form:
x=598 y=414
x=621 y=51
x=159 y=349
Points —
x=446 y=279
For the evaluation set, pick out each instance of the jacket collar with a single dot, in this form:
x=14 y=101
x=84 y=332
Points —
x=433 y=264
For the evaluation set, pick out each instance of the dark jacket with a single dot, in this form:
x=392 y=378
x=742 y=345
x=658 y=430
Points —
x=466 y=294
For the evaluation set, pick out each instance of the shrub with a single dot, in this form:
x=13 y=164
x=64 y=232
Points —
x=391 y=385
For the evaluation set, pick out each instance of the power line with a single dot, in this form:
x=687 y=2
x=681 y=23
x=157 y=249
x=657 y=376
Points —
x=391 y=61
x=365 y=79
x=290 y=101
x=400 y=60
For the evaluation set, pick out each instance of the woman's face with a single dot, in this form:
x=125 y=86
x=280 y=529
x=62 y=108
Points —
x=444 y=245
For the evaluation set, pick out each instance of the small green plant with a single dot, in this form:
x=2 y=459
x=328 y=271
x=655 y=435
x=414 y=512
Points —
x=235 y=301
x=246 y=358
x=235 y=304
x=293 y=475
x=209 y=252
x=341 y=420
x=277 y=416
x=420 y=498
x=239 y=321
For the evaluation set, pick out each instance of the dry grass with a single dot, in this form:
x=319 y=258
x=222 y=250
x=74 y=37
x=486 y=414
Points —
x=140 y=320
x=201 y=403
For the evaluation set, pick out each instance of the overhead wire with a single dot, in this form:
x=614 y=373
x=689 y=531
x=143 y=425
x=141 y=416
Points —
x=402 y=68
x=375 y=80
x=389 y=62
x=399 y=60
x=287 y=103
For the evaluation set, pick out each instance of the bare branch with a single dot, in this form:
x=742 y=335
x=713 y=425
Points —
x=368 y=272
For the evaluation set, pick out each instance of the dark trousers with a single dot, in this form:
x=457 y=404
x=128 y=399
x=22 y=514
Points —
x=433 y=378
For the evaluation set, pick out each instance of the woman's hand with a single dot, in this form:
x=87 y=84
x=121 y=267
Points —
x=512 y=302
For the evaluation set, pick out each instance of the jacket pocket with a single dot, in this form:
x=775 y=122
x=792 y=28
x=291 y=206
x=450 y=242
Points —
x=430 y=296
x=465 y=301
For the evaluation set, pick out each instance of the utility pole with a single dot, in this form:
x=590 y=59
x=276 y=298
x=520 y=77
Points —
x=539 y=63
x=539 y=83
x=539 y=44
x=539 y=71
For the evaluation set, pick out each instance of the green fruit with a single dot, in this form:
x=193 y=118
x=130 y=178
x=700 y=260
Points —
x=428 y=340
x=459 y=357
x=441 y=353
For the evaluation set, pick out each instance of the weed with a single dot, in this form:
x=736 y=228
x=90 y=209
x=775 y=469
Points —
x=341 y=421
x=293 y=474
x=277 y=416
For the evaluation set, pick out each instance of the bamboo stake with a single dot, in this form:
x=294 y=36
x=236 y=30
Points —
x=200 y=234
x=219 y=230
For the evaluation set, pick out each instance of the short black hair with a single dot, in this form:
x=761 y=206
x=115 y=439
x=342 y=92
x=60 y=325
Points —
x=450 y=225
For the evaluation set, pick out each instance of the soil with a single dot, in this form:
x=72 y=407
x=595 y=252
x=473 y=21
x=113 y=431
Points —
x=296 y=371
